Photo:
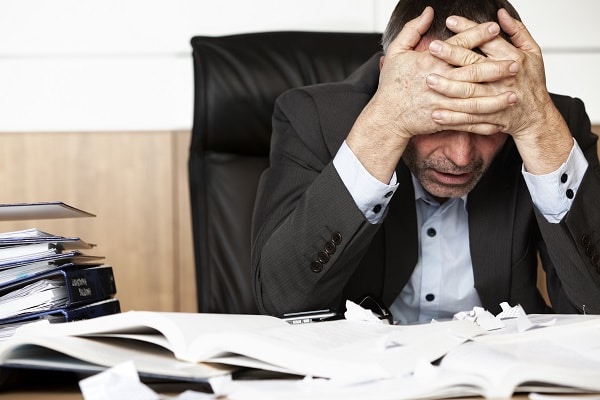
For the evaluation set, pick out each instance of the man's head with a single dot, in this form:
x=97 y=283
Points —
x=450 y=163
x=476 y=10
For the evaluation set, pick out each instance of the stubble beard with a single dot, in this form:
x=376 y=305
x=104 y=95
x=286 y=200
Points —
x=427 y=173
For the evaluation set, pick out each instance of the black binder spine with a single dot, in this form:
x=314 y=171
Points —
x=86 y=285
x=105 y=307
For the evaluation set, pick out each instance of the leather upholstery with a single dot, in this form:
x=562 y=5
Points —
x=237 y=79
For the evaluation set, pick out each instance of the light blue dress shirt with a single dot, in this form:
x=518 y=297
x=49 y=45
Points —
x=442 y=283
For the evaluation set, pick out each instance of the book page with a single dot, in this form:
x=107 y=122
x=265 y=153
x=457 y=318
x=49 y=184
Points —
x=507 y=367
x=41 y=295
x=89 y=353
x=347 y=350
x=178 y=329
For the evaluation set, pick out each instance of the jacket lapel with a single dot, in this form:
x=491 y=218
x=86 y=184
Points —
x=491 y=206
x=400 y=232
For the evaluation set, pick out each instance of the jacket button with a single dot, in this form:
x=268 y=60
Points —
x=336 y=238
x=586 y=240
x=316 y=267
x=329 y=247
x=322 y=257
x=595 y=259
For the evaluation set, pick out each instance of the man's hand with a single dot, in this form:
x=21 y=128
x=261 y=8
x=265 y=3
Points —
x=541 y=135
x=403 y=104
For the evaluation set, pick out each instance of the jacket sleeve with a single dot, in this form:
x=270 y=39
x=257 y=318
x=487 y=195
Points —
x=308 y=235
x=571 y=255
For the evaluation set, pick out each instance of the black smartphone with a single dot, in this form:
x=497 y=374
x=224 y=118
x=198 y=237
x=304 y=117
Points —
x=310 y=316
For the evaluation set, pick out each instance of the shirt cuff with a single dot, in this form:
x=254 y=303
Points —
x=553 y=193
x=370 y=195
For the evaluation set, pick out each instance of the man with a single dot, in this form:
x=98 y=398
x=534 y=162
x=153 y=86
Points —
x=432 y=177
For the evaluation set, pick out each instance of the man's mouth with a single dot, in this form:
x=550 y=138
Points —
x=453 y=179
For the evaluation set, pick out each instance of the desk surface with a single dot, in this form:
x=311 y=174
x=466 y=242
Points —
x=70 y=395
x=55 y=385
x=73 y=393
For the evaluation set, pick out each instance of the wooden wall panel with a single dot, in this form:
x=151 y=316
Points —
x=185 y=278
x=136 y=183
x=129 y=180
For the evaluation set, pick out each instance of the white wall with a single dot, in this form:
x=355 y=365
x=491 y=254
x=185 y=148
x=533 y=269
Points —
x=125 y=64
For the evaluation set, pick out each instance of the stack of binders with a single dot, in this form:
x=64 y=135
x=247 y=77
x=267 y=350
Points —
x=47 y=276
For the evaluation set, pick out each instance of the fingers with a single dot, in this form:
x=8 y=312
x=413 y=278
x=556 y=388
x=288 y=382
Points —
x=472 y=82
x=480 y=128
x=411 y=33
x=459 y=49
x=475 y=67
x=519 y=35
x=489 y=71
x=486 y=111
x=470 y=35
x=454 y=55
x=473 y=106
x=498 y=47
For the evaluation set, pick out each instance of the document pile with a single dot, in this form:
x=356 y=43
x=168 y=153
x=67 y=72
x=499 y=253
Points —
x=48 y=276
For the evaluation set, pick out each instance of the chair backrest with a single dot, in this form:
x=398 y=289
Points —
x=237 y=79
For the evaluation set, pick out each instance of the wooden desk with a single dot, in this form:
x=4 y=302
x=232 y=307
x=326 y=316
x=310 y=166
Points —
x=55 y=385
x=64 y=386
x=71 y=395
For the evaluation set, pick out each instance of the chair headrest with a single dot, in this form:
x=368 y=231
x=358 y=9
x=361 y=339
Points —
x=238 y=78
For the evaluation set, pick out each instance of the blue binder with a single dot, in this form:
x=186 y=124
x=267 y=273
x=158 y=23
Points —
x=83 y=284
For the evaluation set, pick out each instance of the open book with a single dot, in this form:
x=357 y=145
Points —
x=187 y=345
x=361 y=360
x=563 y=358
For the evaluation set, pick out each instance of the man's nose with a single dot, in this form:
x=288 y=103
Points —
x=460 y=148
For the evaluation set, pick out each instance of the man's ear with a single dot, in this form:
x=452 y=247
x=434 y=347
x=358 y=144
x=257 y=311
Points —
x=381 y=62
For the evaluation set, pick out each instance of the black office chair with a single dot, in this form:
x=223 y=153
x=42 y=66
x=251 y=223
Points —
x=237 y=79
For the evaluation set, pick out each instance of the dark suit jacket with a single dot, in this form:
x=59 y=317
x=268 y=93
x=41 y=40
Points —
x=302 y=204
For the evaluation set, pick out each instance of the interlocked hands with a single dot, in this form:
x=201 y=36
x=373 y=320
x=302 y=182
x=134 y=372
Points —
x=428 y=86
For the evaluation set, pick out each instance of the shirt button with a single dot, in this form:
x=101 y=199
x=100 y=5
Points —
x=430 y=297
x=431 y=232
x=377 y=208
x=570 y=194
x=564 y=177
x=388 y=194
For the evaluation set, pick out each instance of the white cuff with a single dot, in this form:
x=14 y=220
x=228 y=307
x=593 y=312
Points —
x=370 y=195
x=553 y=193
